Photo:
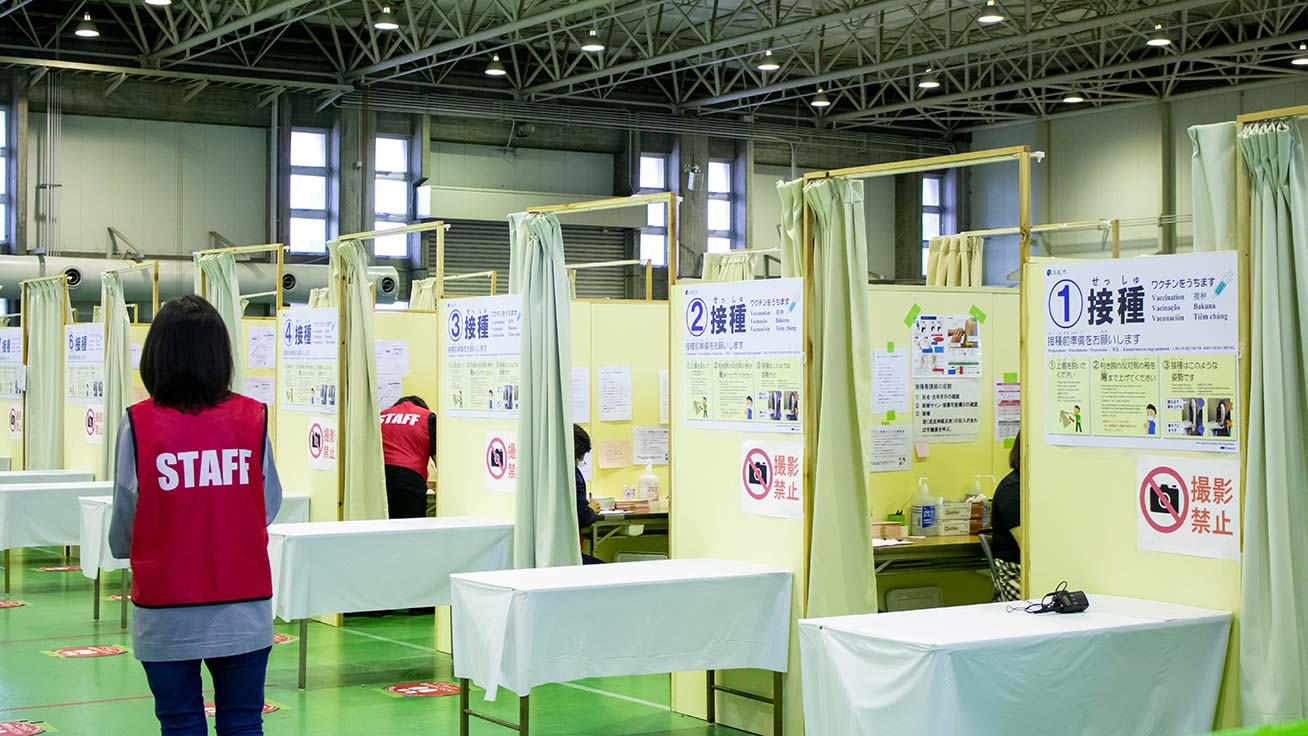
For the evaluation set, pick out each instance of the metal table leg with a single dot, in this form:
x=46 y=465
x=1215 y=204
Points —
x=778 y=719
x=524 y=714
x=8 y=562
x=463 y=706
x=125 y=593
x=95 y=597
x=712 y=700
x=304 y=649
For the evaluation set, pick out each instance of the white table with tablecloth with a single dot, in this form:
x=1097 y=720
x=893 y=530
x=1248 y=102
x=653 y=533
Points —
x=42 y=514
x=1124 y=666
x=518 y=628
x=96 y=513
x=351 y=566
x=12 y=477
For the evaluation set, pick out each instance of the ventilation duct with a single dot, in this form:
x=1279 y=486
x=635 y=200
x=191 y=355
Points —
x=176 y=278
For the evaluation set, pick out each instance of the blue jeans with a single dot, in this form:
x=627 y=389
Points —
x=238 y=694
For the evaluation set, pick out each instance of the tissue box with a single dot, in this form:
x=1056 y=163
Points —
x=955 y=511
x=887 y=530
x=955 y=528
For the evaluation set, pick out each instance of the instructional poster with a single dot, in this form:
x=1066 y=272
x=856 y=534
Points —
x=744 y=355
x=484 y=341
x=12 y=373
x=889 y=380
x=946 y=345
x=947 y=411
x=84 y=363
x=308 y=371
x=1142 y=353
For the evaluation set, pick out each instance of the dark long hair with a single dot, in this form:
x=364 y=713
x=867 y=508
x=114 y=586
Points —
x=580 y=442
x=186 y=362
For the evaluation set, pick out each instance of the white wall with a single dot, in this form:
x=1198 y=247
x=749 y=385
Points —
x=164 y=185
x=878 y=200
x=1104 y=164
x=468 y=166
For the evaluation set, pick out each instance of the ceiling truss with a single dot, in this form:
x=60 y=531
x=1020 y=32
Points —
x=689 y=57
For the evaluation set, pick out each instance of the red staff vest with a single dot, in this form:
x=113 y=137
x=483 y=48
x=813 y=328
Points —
x=200 y=534
x=406 y=440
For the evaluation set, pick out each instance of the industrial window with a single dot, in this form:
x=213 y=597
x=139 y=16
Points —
x=654 y=236
x=4 y=175
x=308 y=189
x=720 y=200
x=933 y=213
x=390 y=195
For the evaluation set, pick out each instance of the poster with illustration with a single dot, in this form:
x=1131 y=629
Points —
x=946 y=346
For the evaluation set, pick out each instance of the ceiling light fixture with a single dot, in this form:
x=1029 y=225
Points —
x=1302 y=58
x=1074 y=98
x=496 y=67
x=158 y=2
x=991 y=13
x=768 y=63
x=386 y=20
x=821 y=99
x=929 y=80
x=1159 y=37
x=593 y=43
x=85 y=28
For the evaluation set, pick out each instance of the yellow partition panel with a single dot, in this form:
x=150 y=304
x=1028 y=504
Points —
x=632 y=335
x=291 y=440
x=11 y=435
x=950 y=469
x=707 y=521
x=1080 y=510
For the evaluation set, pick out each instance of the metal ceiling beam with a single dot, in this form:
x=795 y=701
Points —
x=13 y=7
x=559 y=13
x=74 y=66
x=271 y=11
x=980 y=47
x=752 y=37
x=1057 y=79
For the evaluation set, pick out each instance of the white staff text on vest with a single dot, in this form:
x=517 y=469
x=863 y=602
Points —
x=409 y=419
x=216 y=468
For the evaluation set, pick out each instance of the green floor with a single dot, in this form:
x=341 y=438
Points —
x=348 y=671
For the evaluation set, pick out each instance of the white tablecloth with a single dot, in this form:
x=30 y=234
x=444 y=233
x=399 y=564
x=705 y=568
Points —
x=348 y=566
x=97 y=512
x=14 y=477
x=43 y=514
x=1124 y=666
x=522 y=628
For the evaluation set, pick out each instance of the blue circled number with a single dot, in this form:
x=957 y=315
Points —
x=1065 y=301
x=696 y=316
x=456 y=325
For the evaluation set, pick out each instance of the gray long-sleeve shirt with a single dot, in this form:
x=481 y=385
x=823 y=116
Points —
x=192 y=632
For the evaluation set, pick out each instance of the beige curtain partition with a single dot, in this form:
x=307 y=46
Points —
x=730 y=266
x=422 y=295
x=955 y=260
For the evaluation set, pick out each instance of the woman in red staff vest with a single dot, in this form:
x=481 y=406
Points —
x=194 y=490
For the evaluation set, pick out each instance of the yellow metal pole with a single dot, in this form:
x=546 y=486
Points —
x=1024 y=223
x=342 y=377
x=440 y=265
x=493 y=290
x=810 y=409
x=154 y=305
x=22 y=444
x=1117 y=238
x=649 y=282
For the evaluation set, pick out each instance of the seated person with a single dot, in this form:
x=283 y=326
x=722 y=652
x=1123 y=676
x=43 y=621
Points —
x=1006 y=522
x=587 y=510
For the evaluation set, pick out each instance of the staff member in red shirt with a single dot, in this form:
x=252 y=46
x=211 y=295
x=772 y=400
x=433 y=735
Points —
x=408 y=432
x=194 y=490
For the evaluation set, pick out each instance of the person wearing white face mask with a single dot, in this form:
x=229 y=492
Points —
x=587 y=509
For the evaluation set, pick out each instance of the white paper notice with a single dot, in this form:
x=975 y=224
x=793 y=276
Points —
x=892 y=448
x=889 y=380
x=1008 y=410
x=390 y=388
x=392 y=357
x=663 y=397
x=261 y=350
x=586 y=468
x=947 y=410
x=649 y=445
x=581 y=395
x=136 y=356
x=615 y=393
x=260 y=388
